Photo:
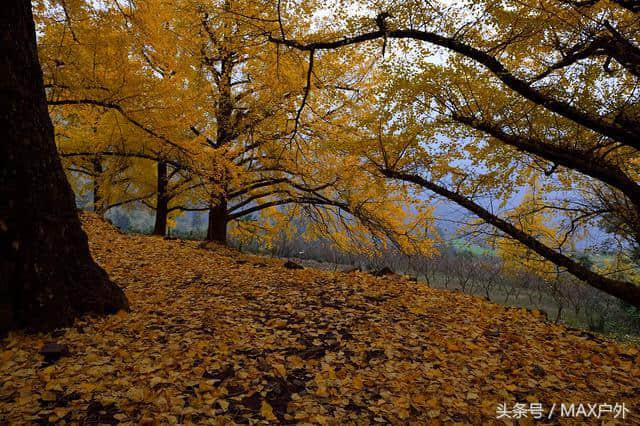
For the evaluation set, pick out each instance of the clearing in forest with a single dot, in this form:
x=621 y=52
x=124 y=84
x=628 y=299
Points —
x=216 y=336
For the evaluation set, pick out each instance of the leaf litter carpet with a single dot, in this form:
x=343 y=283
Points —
x=216 y=336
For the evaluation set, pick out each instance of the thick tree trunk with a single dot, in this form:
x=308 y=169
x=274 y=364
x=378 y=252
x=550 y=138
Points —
x=218 y=219
x=162 y=201
x=47 y=276
x=98 y=205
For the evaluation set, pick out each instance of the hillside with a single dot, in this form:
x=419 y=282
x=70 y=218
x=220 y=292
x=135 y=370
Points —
x=218 y=336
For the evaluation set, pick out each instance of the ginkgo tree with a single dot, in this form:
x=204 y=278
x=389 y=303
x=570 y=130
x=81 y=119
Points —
x=197 y=88
x=506 y=91
x=254 y=104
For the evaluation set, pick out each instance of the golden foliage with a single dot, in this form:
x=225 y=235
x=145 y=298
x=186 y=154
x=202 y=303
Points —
x=218 y=337
x=198 y=85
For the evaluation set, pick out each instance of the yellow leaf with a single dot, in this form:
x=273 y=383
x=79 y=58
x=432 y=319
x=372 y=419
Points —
x=48 y=396
x=205 y=386
x=156 y=381
x=532 y=398
x=53 y=386
x=49 y=370
x=322 y=391
x=418 y=310
x=403 y=413
x=61 y=411
x=296 y=361
x=161 y=402
x=357 y=382
x=136 y=394
x=86 y=387
x=452 y=347
x=280 y=369
x=322 y=420
x=266 y=411
x=279 y=323
x=6 y=356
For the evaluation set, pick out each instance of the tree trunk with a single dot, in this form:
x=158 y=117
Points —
x=162 y=201
x=217 y=230
x=47 y=276
x=98 y=205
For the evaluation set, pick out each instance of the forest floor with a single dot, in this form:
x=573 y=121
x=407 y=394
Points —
x=216 y=336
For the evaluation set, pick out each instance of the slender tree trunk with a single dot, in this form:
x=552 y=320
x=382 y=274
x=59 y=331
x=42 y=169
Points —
x=162 y=201
x=225 y=120
x=218 y=219
x=217 y=230
x=98 y=206
x=47 y=276
x=558 y=314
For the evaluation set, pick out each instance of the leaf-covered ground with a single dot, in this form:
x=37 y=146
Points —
x=220 y=337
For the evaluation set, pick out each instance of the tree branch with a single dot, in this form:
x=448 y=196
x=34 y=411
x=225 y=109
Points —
x=118 y=108
x=623 y=290
x=626 y=134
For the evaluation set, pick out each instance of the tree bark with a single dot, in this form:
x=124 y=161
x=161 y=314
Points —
x=162 y=201
x=218 y=220
x=47 y=276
